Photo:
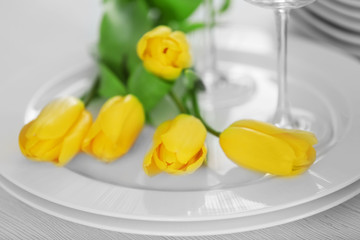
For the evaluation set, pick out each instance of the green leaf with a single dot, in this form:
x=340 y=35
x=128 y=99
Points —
x=163 y=111
x=149 y=88
x=187 y=27
x=175 y=9
x=122 y=25
x=110 y=85
x=225 y=6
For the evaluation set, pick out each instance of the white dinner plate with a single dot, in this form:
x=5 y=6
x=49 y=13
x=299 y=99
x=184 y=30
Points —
x=337 y=33
x=225 y=226
x=345 y=10
x=321 y=80
x=349 y=3
x=344 y=22
x=302 y=26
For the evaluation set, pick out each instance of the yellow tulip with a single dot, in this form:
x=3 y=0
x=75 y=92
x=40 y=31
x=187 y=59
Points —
x=178 y=147
x=164 y=53
x=56 y=134
x=116 y=128
x=263 y=147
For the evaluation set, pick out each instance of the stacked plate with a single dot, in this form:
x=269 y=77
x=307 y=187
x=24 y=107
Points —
x=217 y=199
x=336 y=22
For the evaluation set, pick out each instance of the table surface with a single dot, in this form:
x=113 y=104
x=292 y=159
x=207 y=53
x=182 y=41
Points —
x=41 y=35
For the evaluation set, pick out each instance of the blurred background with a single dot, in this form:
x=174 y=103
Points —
x=42 y=33
x=41 y=38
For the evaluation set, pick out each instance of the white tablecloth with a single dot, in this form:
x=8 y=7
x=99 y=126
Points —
x=37 y=38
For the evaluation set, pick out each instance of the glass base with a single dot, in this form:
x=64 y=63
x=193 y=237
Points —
x=225 y=90
x=313 y=107
x=323 y=127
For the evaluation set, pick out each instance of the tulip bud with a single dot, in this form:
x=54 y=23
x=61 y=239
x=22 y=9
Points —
x=263 y=147
x=116 y=128
x=178 y=147
x=56 y=134
x=164 y=53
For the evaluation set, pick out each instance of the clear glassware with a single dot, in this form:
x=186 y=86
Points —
x=283 y=116
x=286 y=116
x=221 y=89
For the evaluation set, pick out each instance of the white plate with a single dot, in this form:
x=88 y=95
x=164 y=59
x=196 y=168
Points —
x=345 y=10
x=301 y=25
x=344 y=22
x=329 y=85
x=225 y=226
x=319 y=24
x=349 y=3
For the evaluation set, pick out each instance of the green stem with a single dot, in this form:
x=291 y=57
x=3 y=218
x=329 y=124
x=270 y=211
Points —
x=177 y=102
x=91 y=94
x=198 y=115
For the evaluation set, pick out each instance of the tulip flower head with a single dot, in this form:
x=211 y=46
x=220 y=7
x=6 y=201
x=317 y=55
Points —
x=164 y=53
x=263 y=147
x=178 y=147
x=116 y=128
x=56 y=134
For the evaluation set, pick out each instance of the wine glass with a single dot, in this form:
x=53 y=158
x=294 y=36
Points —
x=283 y=117
x=222 y=90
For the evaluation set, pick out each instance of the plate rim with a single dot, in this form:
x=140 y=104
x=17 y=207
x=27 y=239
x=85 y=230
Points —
x=336 y=33
x=331 y=200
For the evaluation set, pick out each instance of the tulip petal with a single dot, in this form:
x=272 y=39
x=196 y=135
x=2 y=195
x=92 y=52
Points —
x=263 y=127
x=23 y=140
x=39 y=150
x=301 y=148
x=53 y=154
x=166 y=156
x=92 y=133
x=273 y=130
x=163 y=50
x=298 y=145
x=97 y=147
x=196 y=161
x=159 y=163
x=183 y=60
x=141 y=47
x=56 y=118
x=113 y=116
x=149 y=165
x=258 y=151
x=185 y=137
x=164 y=71
x=133 y=123
x=180 y=38
x=161 y=129
x=72 y=142
x=309 y=137
x=116 y=128
x=159 y=31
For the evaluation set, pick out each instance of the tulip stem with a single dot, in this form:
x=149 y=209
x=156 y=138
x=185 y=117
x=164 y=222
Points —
x=177 y=102
x=198 y=115
x=91 y=94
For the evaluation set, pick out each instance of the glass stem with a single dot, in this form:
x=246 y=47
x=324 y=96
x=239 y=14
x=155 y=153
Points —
x=282 y=116
x=210 y=74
